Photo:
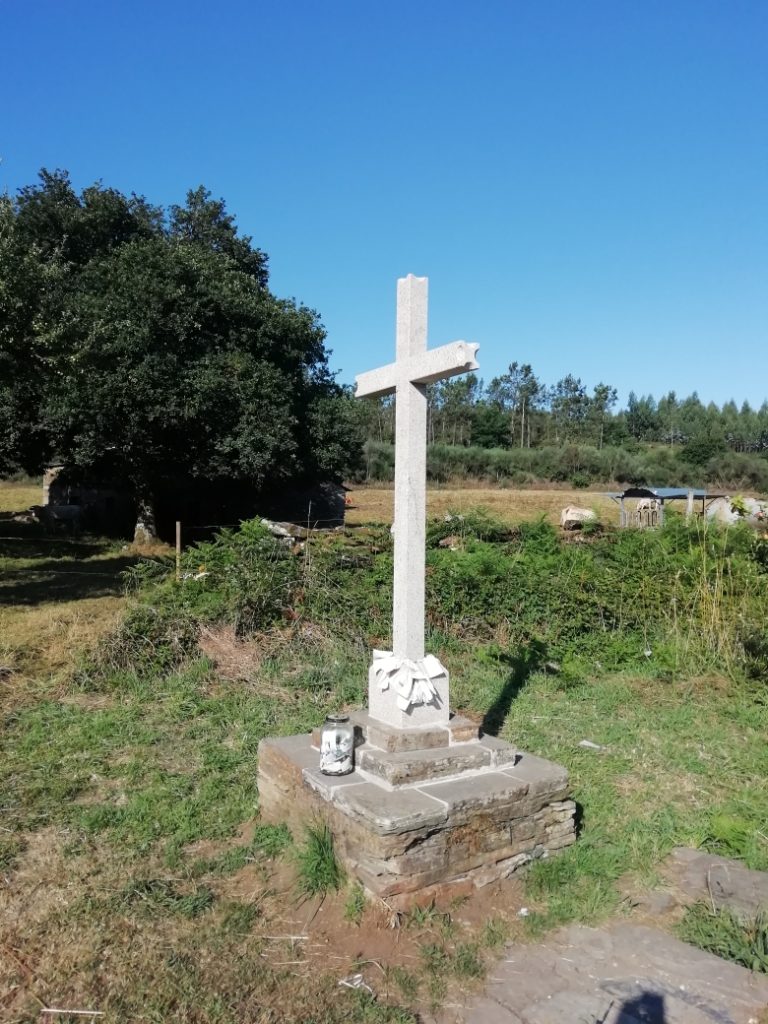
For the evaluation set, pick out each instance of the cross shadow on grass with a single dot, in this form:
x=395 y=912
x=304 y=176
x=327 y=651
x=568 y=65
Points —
x=521 y=666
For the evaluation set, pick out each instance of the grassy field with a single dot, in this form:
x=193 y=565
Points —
x=375 y=504
x=14 y=497
x=57 y=595
x=135 y=876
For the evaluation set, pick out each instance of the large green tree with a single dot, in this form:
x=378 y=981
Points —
x=156 y=353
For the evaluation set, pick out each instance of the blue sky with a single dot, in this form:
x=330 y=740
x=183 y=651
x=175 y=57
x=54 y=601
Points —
x=584 y=183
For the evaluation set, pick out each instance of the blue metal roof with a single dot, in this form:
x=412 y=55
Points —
x=666 y=493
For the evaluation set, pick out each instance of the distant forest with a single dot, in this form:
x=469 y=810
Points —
x=519 y=429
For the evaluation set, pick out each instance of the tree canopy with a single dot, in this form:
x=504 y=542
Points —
x=146 y=345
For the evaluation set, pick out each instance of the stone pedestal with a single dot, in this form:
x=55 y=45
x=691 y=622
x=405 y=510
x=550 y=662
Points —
x=428 y=812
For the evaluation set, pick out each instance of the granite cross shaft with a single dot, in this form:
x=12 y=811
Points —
x=407 y=378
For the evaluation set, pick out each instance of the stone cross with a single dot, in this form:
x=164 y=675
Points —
x=415 y=367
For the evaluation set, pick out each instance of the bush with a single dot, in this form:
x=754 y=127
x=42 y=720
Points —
x=651 y=465
x=150 y=639
x=245 y=578
x=478 y=524
x=675 y=593
x=755 y=642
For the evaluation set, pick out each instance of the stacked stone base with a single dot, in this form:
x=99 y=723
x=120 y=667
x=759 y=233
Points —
x=427 y=813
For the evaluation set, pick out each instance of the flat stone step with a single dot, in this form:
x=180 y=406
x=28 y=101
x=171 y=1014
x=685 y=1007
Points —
x=407 y=766
x=386 y=737
x=389 y=812
x=620 y=974
x=724 y=883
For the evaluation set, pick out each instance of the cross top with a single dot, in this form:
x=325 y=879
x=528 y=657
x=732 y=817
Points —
x=414 y=363
x=415 y=367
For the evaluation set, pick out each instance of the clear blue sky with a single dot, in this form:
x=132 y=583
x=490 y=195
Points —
x=584 y=183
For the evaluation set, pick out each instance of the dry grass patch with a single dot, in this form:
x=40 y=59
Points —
x=89 y=930
x=39 y=644
x=16 y=497
x=376 y=504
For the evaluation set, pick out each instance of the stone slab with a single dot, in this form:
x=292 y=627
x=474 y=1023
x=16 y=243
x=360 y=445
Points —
x=503 y=754
x=419 y=841
x=541 y=775
x=492 y=792
x=412 y=766
x=291 y=753
x=697 y=875
x=388 y=812
x=328 y=785
x=462 y=730
x=385 y=737
x=621 y=974
x=457 y=729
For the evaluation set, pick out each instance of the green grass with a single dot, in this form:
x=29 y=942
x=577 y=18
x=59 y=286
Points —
x=162 y=896
x=354 y=908
x=722 y=933
x=676 y=760
x=138 y=770
x=319 y=870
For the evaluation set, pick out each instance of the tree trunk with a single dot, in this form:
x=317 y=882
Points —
x=522 y=427
x=146 y=526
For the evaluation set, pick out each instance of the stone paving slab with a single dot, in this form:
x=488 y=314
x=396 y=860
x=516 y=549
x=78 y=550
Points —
x=621 y=974
x=697 y=875
x=494 y=792
x=541 y=775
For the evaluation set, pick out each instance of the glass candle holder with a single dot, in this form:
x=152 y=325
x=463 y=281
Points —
x=337 y=745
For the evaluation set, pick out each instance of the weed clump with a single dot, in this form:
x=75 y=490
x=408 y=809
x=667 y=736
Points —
x=354 y=908
x=160 y=896
x=319 y=870
x=722 y=933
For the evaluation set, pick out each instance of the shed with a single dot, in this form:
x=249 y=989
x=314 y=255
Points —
x=649 y=510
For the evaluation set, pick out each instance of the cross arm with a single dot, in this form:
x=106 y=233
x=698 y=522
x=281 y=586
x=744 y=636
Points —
x=379 y=382
x=446 y=361
x=423 y=368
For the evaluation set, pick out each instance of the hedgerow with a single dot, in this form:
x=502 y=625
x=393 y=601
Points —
x=683 y=594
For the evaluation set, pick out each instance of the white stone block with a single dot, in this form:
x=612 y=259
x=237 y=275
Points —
x=383 y=705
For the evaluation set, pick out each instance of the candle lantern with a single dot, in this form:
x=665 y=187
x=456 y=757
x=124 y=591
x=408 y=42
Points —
x=337 y=745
